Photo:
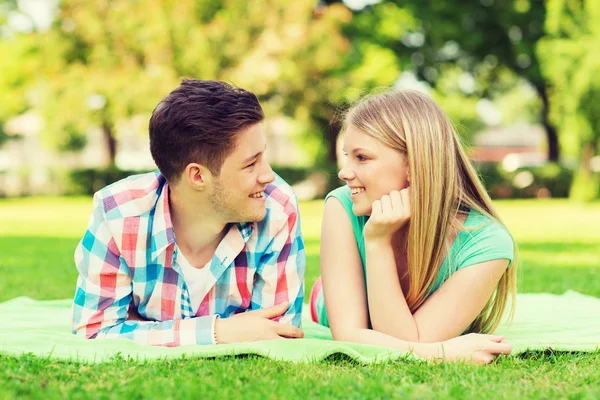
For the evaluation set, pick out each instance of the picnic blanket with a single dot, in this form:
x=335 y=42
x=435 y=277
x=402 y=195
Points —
x=569 y=322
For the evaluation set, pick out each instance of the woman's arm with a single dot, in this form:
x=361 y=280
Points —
x=346 y=302
x=387 y=303
x=448 y=312
x=342 y=273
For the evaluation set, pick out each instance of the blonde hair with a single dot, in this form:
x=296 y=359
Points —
x=442 y=180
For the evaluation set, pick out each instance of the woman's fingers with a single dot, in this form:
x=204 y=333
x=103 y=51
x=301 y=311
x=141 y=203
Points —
x=376 y=208
x=503 y=347
x=405 y=197
x=386 y=205
x=396 y=201
x=496 y=338
x=487 y=358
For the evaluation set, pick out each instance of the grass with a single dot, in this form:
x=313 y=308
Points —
x=559 y=251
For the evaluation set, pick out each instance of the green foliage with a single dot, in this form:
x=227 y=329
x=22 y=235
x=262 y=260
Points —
x=571 y=63
x=549 y=180
x=90 y=180
x=101 y=65
x=108 y=63
x=586 y=187
x=3 y=135
x=18 y=73
x=491 y=176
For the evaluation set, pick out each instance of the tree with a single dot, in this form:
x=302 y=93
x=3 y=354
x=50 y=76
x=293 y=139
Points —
x=484 y=38
x=101 y=63
x=17 y=70
x=367 y=65
x=571 y=62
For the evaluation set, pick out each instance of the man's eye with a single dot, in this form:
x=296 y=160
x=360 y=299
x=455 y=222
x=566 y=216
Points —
x=251 y=165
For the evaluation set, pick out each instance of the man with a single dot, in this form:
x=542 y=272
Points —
x=206 y=251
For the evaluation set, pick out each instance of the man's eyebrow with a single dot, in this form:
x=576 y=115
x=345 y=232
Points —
x=252 y=157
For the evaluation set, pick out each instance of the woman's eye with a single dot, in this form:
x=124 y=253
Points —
x=251 y=165
x=361 y=157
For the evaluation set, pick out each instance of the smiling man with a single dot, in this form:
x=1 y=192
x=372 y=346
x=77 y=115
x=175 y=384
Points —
x=206 y=250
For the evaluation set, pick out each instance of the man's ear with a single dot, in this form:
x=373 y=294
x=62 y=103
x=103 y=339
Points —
x=196 y=175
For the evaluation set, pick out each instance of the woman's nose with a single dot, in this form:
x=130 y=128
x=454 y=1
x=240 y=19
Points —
x=346 y=174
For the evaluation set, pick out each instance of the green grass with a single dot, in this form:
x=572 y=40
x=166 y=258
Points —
x=559 y=247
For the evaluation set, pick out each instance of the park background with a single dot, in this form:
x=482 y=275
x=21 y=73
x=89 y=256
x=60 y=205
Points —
x=519 y=78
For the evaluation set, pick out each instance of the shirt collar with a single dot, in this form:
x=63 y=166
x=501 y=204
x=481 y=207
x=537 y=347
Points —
x=163 y=234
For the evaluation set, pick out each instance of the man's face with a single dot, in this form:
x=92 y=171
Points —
x=237 y=194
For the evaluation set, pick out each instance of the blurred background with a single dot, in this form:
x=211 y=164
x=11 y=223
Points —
x=519 y=78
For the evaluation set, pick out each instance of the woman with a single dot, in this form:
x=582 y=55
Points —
x=413 y=253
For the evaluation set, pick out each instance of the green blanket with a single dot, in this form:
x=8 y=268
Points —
x=567 y=322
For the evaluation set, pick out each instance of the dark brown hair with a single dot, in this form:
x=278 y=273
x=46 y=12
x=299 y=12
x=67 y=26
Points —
x=198 y=122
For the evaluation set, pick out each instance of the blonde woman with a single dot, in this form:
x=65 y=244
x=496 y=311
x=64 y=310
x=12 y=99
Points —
x=413 y=253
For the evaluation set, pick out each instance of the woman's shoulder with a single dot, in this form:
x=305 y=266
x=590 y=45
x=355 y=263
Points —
x=479 y=225
x=483 y=238
x=342 y=193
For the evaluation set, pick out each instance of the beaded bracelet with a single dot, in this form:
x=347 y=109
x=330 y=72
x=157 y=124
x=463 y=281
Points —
x=215 y=330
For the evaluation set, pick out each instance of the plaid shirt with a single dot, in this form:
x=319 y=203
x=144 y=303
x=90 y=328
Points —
x=127 y=259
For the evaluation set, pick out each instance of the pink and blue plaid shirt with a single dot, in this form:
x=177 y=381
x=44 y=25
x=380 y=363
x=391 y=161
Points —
x=127 y=259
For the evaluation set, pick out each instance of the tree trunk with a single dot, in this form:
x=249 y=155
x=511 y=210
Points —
x=331 y=133
x=586 y=186
x=111 y=142
x=587 y=153
x=551 y=132
x=331 y=125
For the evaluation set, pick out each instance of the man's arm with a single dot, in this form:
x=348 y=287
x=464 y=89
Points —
x=280 y=275
x=104 y=293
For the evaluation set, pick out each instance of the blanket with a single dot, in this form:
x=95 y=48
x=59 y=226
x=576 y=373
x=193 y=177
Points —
x=569 y=322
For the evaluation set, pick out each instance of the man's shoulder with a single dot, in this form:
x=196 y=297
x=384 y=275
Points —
x=281 y=197
x=133 y=196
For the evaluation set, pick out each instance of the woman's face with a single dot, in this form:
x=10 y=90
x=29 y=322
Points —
x=372 y=169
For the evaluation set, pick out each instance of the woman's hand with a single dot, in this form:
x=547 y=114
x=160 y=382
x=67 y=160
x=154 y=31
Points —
x=388 y=215
x=473 y=347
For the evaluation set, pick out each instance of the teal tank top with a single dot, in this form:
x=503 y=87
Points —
x=481 y=239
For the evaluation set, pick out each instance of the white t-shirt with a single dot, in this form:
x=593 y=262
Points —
x=196 y=279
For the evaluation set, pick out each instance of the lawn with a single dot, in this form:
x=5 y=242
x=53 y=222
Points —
x=559 y=248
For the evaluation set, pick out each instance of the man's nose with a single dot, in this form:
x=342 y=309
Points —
x=267 y=175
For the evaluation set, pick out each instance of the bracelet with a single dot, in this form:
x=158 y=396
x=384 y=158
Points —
x=215 y=329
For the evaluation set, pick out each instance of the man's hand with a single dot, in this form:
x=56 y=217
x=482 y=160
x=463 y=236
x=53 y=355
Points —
x=388 y=215
x=255 y=325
